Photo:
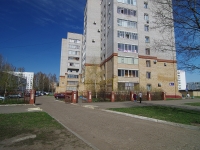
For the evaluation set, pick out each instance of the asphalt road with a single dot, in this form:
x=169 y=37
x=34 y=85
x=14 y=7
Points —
x=109 y=131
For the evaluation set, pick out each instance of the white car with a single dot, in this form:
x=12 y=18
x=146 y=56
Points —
x=2 y=98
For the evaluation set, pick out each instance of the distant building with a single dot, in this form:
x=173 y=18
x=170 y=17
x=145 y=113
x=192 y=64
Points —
x=70 y=63
x=16 y=82
x=193 y=86
x=29 y=78
x=181 y=80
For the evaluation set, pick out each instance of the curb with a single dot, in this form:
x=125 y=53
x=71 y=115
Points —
x=155 y=120
x=17 y=105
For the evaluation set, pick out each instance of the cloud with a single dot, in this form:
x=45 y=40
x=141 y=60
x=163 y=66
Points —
x=50 y=10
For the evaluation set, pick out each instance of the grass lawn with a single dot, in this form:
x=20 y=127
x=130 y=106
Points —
x=173 y=99
x=39 y=123
x=13 y=101
x=193 y=104
x=177 y=115
x=47 y=132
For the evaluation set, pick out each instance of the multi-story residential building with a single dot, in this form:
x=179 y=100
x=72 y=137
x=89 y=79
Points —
x=70 y=63
x=118 y=36
x=29 y=78
x=181 y=80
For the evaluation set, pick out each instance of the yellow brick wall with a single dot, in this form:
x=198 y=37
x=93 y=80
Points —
x=159 y=74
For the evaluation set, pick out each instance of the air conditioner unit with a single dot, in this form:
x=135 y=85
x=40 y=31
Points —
x=94 y=22
x=108 y=26
x=98 y=30
x=93 y=40
x=147 y=21
x=155 y=61
x=108 y=3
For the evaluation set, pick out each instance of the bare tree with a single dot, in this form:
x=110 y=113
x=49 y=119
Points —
x=183 y=17
x=44 y=82
x=93 y=77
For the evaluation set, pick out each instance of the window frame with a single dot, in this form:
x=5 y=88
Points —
x=148 y=63
x=148 y=75
x=147 y=51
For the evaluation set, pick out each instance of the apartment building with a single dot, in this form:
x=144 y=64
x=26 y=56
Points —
x=29 y=78
x=70 y=63
x=118 y=36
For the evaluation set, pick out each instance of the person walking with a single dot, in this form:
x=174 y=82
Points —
x=140 y=96
x=134 y=97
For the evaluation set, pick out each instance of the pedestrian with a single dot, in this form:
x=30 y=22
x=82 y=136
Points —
x=135 y=97
x=188 y=95
x=140 y=96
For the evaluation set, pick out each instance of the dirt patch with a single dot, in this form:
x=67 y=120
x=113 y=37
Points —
x=49 y=139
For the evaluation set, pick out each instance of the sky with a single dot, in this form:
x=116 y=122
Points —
x=31 y=32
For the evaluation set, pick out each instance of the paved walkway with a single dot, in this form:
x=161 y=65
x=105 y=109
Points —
x=106 y=131
x=18 y=108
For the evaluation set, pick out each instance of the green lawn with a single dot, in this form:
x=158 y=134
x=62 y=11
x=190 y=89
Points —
x=193 y=104
x=13 y=101
x=177 y=115
x=39 y=123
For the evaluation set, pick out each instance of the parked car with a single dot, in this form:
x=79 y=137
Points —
x=37 y=94
x=59 y=95
x=2 y=98
x=14 y=96
x=46 y=93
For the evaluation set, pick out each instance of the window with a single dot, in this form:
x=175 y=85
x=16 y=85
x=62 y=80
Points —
x=121 y=34
x=73 y=58
x=125 y=11
x=148 y=87
x=131 y=2
x=127 y=35
x=72 y=76
x=148 y=63
x=127 y=48
x=145 y=5
x=148 y=75
x=74 y=46
x=146 y=17
x=146 y=28
x=147 y=50
x=74 y=41
x=72 y=82
x=147 y=40
x=127 y=60
x=126 y=23
x=126 y=85
x=74 y=52
x=127 y=73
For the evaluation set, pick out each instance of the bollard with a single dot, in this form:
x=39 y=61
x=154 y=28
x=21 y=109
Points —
x=131 y=96
x=89 y=96
x=32 y=97
x=112 y=96
x=148 y=96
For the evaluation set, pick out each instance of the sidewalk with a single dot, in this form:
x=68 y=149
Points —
x=110 y=131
